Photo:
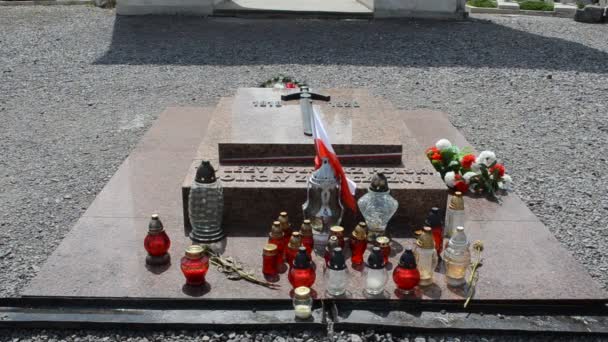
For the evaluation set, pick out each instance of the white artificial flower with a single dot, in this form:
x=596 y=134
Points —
x=475 y=167
x=467 y=176
x=486 y=157
x=443 y=144
x=279 y=85
x=449 y=179
x=507 y=179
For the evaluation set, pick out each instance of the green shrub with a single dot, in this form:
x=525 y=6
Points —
x=534 y=5
x=482 y=3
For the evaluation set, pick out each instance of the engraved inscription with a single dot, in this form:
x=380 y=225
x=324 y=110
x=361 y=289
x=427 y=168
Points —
x=280 y=174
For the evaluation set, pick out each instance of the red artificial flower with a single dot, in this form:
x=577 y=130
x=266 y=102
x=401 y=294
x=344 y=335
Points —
x=290 y=85
x=461 y=186
x=467 y=161
x=431 y=151
x=500 y=168
x=436 y=156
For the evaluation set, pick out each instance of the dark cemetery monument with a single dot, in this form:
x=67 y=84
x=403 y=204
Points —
x=263 y=160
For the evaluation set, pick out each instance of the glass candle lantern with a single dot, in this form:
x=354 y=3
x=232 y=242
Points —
x=292 y=248
x=358 y=243
x=306 y=234
x=406 y=275
x=195 y=265
x=331 y=245
x=338 y=232
x=377 y=206
x=385 y=246
x=426 y=256
x=269 y=261
x=337 y=275
x=454 y=215
x=157 y=243
x=285 y=226
x=457 y=258
x=433 y=220
x=276 y=237
x=375 y=273
x=206 y=205
x=302 y=302
x=302 y=273
x=323 y=206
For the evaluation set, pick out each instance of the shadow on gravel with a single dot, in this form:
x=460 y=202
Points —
x=228 y=41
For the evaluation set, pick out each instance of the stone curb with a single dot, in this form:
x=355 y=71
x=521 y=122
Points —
x=487 y=10
x=46 y=2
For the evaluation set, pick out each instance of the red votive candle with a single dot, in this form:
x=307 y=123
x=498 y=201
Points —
x=338 y=232
x=385 y=247
x=195 y=265
x=307 y=239
x=358 y=244
x=276 y=237
x=269 y=260
x=302 y=273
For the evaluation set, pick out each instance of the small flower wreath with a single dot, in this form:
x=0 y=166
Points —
x=460 y=169
x=281 y=82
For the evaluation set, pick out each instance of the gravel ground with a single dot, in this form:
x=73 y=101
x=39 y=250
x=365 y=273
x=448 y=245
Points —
x=78 y=88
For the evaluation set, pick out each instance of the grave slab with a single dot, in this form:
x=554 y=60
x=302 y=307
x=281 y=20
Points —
x=523 y=262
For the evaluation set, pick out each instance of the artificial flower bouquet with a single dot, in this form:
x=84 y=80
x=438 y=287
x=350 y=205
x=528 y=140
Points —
x=282 y=82
x=460 y=169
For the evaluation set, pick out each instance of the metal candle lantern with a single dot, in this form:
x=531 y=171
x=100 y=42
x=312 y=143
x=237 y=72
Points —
x=206 y=205
x=323 y=206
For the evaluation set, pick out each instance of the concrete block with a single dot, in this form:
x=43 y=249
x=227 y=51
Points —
x=419 y=8
x=508 y=5
x=567 y=10
x=143 y=7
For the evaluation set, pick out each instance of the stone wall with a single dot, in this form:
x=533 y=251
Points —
x=419 y=8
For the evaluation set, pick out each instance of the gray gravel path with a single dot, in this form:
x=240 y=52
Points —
x=78 y=88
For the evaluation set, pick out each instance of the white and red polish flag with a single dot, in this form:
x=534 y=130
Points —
x=325 y=150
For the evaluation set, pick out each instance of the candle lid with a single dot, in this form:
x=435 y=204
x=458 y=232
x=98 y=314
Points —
x=302 y=292
x=379 y=183
x=270 y=249
x=434 y=218
x=155 y=225
x=283 y=220
x=337 y=230
x=457 y=202
x=194 y=252
x=306 y=228
x=301 y=261
x=337 y=262
x=359 y=233
x=295 y=241
x=408 y=259
x=383 y=241
x=276 y=231
x=376 y=259
x=332 y=243
x=425 y=240
x=205 y=173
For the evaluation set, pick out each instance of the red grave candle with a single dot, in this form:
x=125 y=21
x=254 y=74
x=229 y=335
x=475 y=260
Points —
x=302 y=273
x=329 y=248
x=276 y=237
x=385 y=246
x=285 y=227
x=338 y=232
x=307 y=239
x=269 y=260
x=157 y=243
x=406 y=276
x=358 y=244
x=195 y=265
x=434 y=221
